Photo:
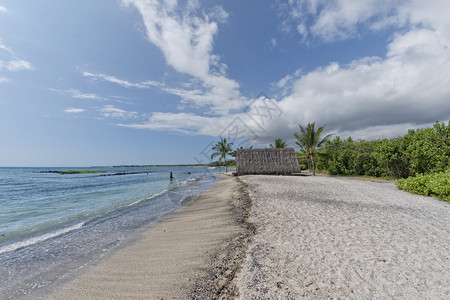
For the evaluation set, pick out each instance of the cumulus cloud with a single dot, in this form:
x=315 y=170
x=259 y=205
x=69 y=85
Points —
x=186 y=41
x=254 y=125
x=3 y=9
x=341 y=19
x=407 y=88
x=371 y=97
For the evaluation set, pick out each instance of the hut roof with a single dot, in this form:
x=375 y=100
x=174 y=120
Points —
x=266 y=161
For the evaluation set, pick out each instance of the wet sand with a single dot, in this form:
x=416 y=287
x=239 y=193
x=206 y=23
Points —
x=187 y=255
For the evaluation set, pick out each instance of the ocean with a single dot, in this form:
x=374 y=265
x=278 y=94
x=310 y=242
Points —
x=53 y=224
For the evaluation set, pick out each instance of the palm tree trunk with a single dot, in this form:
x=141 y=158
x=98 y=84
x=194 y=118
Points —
x=313 y=165
x=226 y=165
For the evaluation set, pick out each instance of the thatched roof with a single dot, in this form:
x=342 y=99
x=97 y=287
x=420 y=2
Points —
x=266 y=161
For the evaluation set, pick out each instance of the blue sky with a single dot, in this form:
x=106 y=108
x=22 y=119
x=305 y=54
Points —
x=155 y=82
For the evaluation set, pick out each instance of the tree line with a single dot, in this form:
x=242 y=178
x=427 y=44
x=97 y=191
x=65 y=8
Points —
x=419 y=160
x=421 y=151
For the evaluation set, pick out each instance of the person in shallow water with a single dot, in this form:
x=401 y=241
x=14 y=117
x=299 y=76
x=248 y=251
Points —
x=171 y=176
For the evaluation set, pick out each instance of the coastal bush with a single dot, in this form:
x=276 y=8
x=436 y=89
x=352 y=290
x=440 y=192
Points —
x=421 y=151
x=350 y=157
x=419 y=160
x=428 y=149
x=393 y=158
x=302 y=160
x=436 y=185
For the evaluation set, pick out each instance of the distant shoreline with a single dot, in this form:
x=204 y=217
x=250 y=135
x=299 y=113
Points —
x=154 y=166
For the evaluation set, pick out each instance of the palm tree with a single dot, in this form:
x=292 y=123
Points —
x=309 y=140
x=279 y=143
x=222 y=148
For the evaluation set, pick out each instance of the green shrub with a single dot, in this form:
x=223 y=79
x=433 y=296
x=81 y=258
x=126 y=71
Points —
x=436 y=185
x=420 y=151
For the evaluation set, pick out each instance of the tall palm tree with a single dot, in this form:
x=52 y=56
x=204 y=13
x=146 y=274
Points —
x=279 y=143
x=309 y=140
x=222 y=148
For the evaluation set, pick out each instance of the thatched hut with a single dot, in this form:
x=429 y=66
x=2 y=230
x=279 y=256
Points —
x=279 y=161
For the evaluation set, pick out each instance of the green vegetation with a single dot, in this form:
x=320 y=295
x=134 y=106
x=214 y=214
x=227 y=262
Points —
x=231 y=163
x=420 y=159
x=436 y=185
x=222 y=149
x=279 y=143
x=309 y=140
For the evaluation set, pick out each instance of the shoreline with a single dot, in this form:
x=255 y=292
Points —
x=194 y=252
x=277 y=237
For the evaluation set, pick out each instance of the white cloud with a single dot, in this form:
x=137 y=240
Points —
x=371 y=97
x=186 y=41
x=3 y=9
x=220 y=90
x=374 y=96
x=15 y=65
x=4 y=80
x=218 y=13
x=79 y=95
x=5 y=48
x=342 y=19
x=110 y=111
x=124 y=83
x=72 y=110
x=12 y=64
x=182 y=123
x=301 y=28
x=259 y=121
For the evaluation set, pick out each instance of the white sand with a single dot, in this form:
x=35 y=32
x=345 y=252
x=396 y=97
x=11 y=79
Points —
x=323 y=237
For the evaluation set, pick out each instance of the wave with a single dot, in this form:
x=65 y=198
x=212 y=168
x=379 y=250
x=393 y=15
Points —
x=40 y=238
x=147 y=198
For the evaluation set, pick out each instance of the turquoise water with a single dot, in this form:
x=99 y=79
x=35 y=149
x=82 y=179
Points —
x=52 y=224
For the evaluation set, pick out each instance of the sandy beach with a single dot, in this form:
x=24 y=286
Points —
x=284 y=237
x=341 y=238
x=190 y=254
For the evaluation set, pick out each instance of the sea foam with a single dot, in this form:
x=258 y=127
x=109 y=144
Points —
x=40 y=238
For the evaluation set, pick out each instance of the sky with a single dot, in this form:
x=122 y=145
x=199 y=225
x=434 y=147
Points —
x=111 y=82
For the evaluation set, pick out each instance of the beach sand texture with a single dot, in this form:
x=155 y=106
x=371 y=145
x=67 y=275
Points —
x=165 y=261
x=340 y=238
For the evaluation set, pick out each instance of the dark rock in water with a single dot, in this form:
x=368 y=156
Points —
x=125 y=173
x=74 y=172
